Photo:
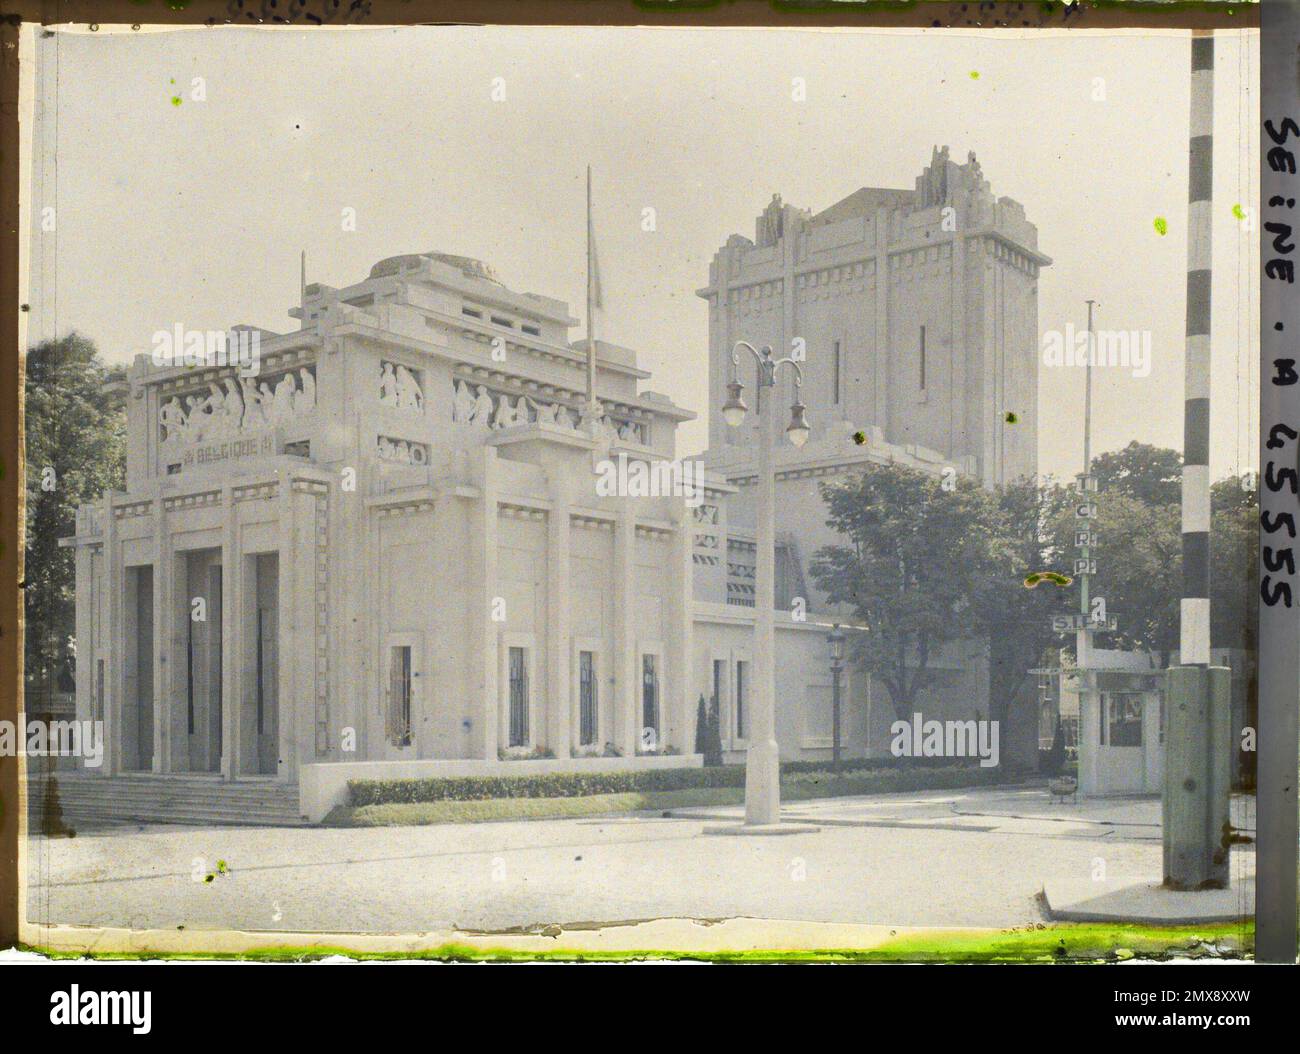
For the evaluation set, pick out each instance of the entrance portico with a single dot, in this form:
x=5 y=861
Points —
x=185 y=623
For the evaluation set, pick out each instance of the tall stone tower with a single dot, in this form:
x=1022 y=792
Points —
x=917 y=311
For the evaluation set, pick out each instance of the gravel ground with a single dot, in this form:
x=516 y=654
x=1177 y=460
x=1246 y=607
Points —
x=953 y=858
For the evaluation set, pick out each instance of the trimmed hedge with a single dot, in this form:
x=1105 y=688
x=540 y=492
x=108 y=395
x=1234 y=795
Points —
x=871 y=764
x=581 y=784
x=547 y=785
x=823 y=784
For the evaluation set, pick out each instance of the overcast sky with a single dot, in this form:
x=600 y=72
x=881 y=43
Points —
x=196 y=213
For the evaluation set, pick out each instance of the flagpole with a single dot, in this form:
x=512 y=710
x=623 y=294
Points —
x=591 y=319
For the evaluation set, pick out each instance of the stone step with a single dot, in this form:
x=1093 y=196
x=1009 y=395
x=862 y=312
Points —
x=94 y=801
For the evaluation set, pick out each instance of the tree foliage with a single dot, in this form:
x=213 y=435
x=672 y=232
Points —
x=1017 y=621
x=1234 y=562
x=75 y=450
x=922 y=567
x=1150 y=474
x=914 y=568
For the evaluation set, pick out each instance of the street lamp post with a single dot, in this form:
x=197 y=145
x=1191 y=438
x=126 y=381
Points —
x=763 y=761
x=836 y=641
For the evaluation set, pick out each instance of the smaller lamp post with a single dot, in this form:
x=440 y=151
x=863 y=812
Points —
x=836 y=641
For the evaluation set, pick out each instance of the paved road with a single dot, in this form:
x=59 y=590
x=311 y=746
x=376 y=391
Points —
x=949 y=858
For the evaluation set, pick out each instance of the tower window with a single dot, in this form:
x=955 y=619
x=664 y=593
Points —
x=835 y=373
x=922 y=358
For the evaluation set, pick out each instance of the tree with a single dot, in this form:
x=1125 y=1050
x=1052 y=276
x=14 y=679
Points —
x=1152 y=475
x=1234 y=562
x=75 y=447
x=915 y=563
x=1139 y=561
x=708 y=736
x=1017 y=621
x=1139 y=552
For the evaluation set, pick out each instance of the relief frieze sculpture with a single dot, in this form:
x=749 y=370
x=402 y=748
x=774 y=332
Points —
x=398 y=388
x=476 y=406
x=237 y=405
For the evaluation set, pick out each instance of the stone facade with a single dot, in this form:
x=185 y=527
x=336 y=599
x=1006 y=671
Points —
x=917 y=311
x=386 y=550
x=388 y=545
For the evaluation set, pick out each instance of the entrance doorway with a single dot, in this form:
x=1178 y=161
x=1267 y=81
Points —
x=138 y=702
x=259 y=714
x=201 y=674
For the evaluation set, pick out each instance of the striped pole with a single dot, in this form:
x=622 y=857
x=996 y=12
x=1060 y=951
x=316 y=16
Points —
x=1195 y=611
x=1195 y=830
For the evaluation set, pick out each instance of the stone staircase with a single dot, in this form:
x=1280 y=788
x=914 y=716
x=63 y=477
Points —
x=88 y=801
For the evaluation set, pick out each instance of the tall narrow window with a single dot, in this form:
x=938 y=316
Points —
x=261 y=673
x=835 y=373
x=189 y=677
x=216 y=667
x=922 y=358
x=518 y=697
x=399 y=696
x=650 y=695
x=719 y=666
x=742 y=689
x=99 y=690
x=587 y=698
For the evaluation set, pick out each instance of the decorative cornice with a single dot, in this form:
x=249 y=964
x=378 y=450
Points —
x=192 y=501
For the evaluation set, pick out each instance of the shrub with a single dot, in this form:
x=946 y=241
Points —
x=546 y=785
x=708 y=738
x=873 y=764
x=702 y=727
x=815 y=780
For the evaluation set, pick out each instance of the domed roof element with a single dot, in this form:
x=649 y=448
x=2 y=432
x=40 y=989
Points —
x=468 y=266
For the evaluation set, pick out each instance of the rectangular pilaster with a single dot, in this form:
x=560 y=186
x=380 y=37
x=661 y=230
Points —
x=558 y=696
x=626 y=726
x=678 y=694
x=879 y=364
x=232 y=602
x=114 y=687
x=163 y=657
x=484 y=631
x=288 y=627
x=957 y=346
x=85 y=625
